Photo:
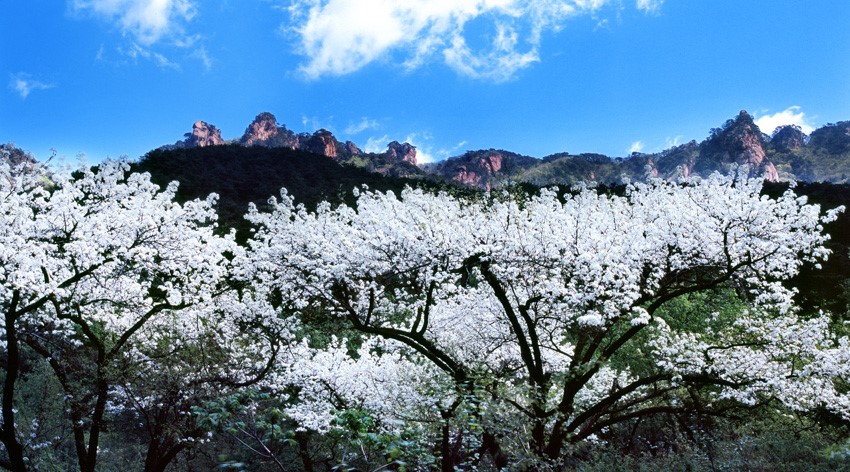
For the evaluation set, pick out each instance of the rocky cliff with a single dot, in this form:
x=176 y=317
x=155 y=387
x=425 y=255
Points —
x=739 y=142
x=401 y=152
x=788 y=154
x=485 y=169
x=399 y=160
x=203 y=134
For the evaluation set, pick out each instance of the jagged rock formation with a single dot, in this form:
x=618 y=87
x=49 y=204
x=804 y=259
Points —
x=264 y=131
x=352 y=149
x=401 y=152
x=788 y=138
x=675 y=162
x=788 y=154
x=204 y=134
x=485 y=169
x=738 y=142
x=399 y=160
x=321 y=142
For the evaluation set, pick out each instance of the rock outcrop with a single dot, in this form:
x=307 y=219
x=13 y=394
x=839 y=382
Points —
x=401 y=152
x=823 y=156
x=261 y=131
x=351 y=149
x=788 y=138
x=676 y=162
x=738 y=142
x=321 y=142
x=203 y=134
x=265 y=131
x=484 y=169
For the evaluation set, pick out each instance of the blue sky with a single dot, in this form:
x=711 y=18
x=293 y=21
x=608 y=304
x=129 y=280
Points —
x=121 y=77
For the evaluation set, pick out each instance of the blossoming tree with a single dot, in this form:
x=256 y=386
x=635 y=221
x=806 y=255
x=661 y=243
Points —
x=119 y=289
x=555 y=310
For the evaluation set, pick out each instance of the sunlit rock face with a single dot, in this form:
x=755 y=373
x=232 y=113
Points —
x=352 y=149
x=321 y=142
x=738 y=142
x=401 y=152
x=261 y=131
x=205 y=134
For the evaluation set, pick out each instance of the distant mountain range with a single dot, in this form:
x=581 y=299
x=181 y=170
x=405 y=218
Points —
x=788 y=154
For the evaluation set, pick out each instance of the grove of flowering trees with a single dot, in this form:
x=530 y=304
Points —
x=495 y=331
x=124 y=294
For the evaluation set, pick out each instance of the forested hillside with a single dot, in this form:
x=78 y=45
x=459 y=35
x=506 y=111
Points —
x=787 y=154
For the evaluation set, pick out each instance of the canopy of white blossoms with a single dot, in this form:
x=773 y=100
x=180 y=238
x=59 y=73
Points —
x=540 y=295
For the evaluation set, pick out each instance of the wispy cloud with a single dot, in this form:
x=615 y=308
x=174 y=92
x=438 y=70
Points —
x=423 y=142
x=790 y=116
x=636 y=146
x=424 y=152
x=376 y=144
x=649 y=6
x=24 y=84
x=673 y=142
x=135 y=52
x=148 y=21
x=453 y=151
x=361 y=126
x=201 y=54
x=338 y=37
x=314 y=123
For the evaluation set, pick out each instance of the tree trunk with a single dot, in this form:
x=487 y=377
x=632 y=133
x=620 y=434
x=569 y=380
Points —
x=161 y=452
x=13 y=360
x=304 y=451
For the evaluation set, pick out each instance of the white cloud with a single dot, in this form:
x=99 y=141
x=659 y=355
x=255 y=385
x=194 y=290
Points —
x=790 y=116
x=313 y=123
x=362 y=125
x=341 y=36
x=24 y=84
x=673 y=142
x=424 y=151
x=424 y=154
x=146 y=20
x=376 y=144
x=136 y=52
x=442 y=154
x=636 y=146
x=201 y=54
x=649 y=6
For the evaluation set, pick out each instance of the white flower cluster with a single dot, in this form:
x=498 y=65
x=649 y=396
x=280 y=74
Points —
x=510 y=288
x=523 y=303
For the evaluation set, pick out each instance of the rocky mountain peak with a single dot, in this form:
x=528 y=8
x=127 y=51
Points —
x=262 y=130
x=484 y=168
x=788 y=138
x=322 y=142
x=352 y=148
x=204 y=134
x=834 y=138
x=401 y=152
x=739 y=142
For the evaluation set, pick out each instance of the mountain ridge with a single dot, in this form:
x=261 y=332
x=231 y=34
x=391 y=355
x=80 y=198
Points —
x=788 y=154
